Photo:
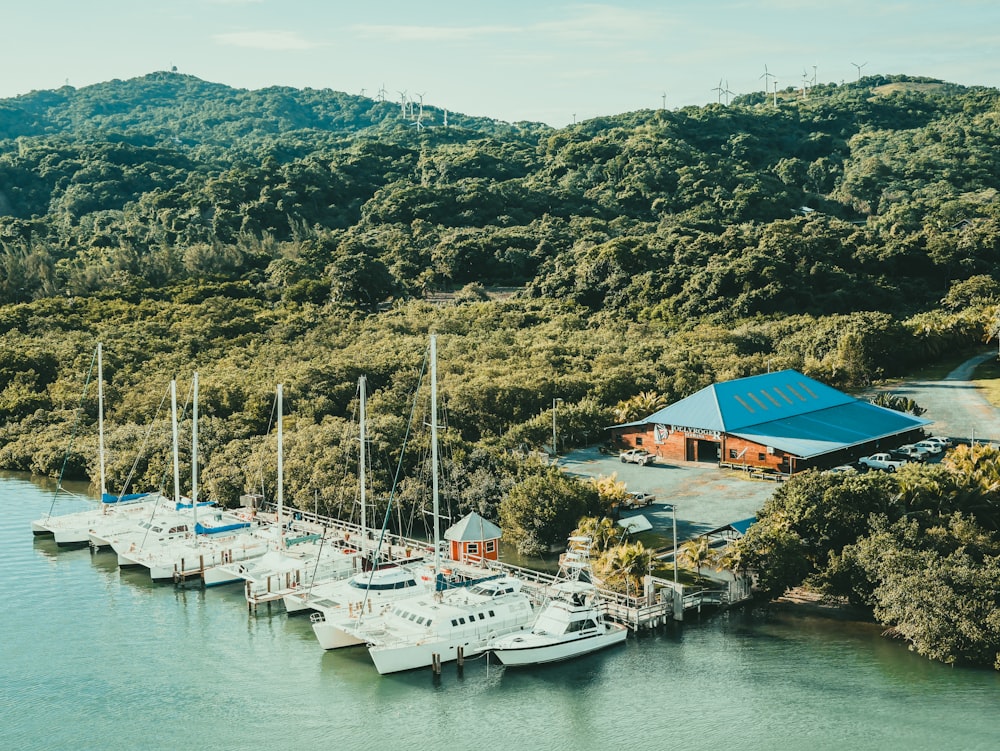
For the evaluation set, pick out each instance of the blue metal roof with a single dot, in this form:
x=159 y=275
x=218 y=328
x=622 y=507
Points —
x=733 y=405
x=831 y=429
x=787 y=411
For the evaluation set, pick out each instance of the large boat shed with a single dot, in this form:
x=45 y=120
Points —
x=781 y=422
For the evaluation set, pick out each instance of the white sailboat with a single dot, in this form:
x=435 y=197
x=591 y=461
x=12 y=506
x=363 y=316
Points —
x=74 y=529
x=570 y=624
x=326 y=593
x=436 y=626
x=220 y=538
x=291 y=561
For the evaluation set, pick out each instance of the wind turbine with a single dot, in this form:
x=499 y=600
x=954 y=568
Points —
x=402 y=102
x=728 y=93
x=859 y=67
x=421 y=98
x=805 y=84
x=766 y=76
x=720 y=90
x=446 y=118
x=664 y=100
x=775 y=91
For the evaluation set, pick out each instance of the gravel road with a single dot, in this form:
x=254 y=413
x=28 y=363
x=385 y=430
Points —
x=955 y=405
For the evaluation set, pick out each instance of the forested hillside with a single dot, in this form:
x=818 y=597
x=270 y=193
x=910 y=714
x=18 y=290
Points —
x=313 y=236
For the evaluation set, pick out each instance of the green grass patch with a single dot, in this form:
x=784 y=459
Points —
x=987 y=380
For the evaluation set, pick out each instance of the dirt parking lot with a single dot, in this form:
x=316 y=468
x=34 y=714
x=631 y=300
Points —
x=706 y=496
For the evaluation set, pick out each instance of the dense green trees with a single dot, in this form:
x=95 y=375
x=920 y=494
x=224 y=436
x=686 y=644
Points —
x=683 y=214
x=539 y=512
x=919 y=547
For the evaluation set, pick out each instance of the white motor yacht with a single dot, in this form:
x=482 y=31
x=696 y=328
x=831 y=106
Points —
x=571 y=623
x=434 y=627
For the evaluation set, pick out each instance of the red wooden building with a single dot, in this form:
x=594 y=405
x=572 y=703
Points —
x=784 y=422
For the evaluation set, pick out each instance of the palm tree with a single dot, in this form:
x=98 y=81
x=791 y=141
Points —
x=642 y=404
x=603 y=532
x=697 y=553
x=612 y=491
x=623 y=567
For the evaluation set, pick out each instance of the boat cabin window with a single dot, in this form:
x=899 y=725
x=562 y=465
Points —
x=413 y=616
x=454 y=621
x=420 y=621
x=492 y=614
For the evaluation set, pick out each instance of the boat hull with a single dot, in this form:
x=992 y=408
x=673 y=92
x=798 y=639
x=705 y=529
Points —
x=532 y=649
x=413 y=656
x=330 y=636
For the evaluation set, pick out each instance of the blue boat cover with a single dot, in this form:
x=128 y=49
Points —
x=110 y=498
x=201 y=529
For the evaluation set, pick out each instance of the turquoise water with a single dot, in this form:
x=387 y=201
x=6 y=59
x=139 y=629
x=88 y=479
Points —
x=97 y=658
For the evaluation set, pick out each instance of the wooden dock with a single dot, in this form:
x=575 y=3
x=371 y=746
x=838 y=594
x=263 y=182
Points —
x=660 y=601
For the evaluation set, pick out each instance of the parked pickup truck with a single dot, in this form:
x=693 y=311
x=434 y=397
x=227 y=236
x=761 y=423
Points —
x=636 y=456
x=881 y=461
x=638 y=500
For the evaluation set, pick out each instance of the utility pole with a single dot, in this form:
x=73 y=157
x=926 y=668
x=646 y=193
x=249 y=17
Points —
x=555 y=451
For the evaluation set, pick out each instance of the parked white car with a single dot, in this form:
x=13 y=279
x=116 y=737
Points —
x=911 y=452
x=941 y=441
x=931 y=447
x=842 y=469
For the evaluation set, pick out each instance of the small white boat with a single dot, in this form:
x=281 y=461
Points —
x=570 y=624
x=288 y=568
x=163 y=516
x=74 y=528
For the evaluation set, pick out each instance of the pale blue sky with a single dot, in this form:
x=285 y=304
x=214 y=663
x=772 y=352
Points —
x=552 y=61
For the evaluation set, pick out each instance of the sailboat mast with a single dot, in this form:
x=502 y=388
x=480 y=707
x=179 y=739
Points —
x=281 y=463
x=100 y=418
x=173 y=424
x=434 y=453
x=194 y=449
x=362 y=457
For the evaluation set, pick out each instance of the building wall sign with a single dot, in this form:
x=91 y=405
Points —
x=697 y=432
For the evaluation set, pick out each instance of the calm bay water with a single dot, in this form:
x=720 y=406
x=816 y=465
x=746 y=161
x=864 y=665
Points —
x=92 y=657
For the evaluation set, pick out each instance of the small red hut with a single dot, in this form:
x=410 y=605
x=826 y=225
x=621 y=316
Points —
x=474 y=539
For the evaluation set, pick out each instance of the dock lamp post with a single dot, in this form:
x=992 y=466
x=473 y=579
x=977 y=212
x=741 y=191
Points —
x=673 y=516
x=555 y=451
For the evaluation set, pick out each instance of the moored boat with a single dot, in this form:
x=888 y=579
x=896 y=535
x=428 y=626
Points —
x=570 y=624
x=438 y=627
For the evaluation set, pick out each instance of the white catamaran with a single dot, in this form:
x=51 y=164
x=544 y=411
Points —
x=436 y=626
x=74 y=529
